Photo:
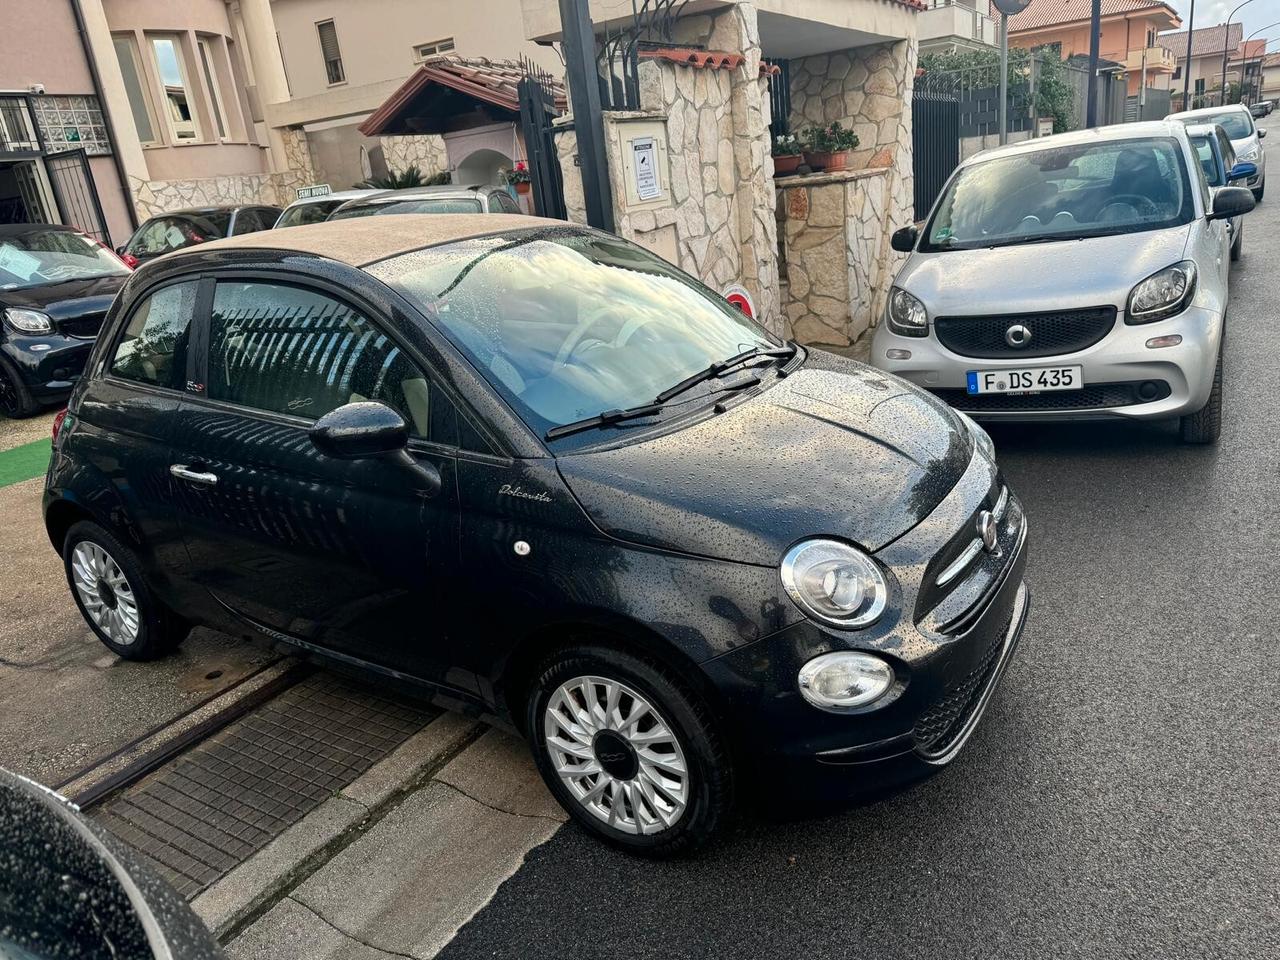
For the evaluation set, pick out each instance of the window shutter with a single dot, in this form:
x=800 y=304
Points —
x=329 y=41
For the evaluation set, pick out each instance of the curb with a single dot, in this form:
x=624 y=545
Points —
x=250 y=889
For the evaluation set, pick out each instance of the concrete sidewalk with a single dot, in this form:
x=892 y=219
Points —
x=404 y=881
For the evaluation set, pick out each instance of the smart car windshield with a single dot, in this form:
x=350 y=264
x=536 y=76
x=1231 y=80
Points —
x=42 y=257
x=441 y=205
x=1064 y=193
x=566 y=325
x=1237 y=123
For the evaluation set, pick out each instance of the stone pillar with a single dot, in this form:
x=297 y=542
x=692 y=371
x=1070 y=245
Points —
x=268 y=70
x=128 y=146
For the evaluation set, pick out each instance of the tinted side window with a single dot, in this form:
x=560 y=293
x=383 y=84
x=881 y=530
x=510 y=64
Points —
x=247 y=221
x=154 y=346
x=290 y=350
x=504 y=202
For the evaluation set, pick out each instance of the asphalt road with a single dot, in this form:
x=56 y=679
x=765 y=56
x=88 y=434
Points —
x=1122 y=797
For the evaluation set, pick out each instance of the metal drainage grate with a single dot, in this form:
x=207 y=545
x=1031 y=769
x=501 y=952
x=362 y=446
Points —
x=210 y=809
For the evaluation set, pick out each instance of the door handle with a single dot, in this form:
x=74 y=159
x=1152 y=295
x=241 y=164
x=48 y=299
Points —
x=183 y=472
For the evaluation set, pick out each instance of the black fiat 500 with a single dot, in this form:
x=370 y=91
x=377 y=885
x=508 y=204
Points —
x=55 y=287
x=541 y=472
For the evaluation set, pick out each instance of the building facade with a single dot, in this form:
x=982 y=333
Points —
x=953 y=26
x=1209 y=46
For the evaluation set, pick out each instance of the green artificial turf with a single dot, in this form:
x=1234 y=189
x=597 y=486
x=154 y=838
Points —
x=24 y=462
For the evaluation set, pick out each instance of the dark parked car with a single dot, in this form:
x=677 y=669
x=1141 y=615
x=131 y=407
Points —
x=55 y=287
x=539 y=470
x=185 y=228
x=445 y=198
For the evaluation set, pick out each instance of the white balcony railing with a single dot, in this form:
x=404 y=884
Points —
x=952 y=18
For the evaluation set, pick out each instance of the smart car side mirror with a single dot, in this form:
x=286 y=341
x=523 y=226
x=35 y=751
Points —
x=67 y=890
x=367 y=429
x=1243 y=170
x=904 y=240
x=1262 y=134
x=1232 y=202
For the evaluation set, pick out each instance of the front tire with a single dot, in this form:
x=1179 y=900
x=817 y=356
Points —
x=114 y=598
x=1237 y=243
x=1205 y=425
x=629 y=751
x=16 y=401
x=1257 y=194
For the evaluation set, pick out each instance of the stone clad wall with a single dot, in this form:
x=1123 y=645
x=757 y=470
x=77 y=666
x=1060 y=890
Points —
x=427 y=152
x=154 y=197
x=297 y=154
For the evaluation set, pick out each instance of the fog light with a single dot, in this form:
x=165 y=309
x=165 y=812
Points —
x=844 y=680
x=1172 y=340
x=1148 y=390
x=898 y=354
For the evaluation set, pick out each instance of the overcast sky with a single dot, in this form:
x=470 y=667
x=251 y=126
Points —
x=1255 y=16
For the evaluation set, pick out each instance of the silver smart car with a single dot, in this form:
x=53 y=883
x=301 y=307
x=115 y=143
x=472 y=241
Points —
x=1080 y=276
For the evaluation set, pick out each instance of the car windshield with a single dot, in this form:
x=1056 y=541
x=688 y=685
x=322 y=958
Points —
x=1064 y=193
x=42 y=257
x=304 y=213
x=1237 y=123
x=1208 y=162
x=441 y=205
x=566 y=325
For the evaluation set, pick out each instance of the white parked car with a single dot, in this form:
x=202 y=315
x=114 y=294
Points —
x=1246 y=137
x=1081 y=276
x=317 y=209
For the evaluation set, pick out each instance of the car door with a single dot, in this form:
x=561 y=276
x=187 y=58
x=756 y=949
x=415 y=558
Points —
x=127 y=414
x=347 y=556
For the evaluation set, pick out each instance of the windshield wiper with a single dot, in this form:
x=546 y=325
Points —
x=719 y=367
x=604 y=419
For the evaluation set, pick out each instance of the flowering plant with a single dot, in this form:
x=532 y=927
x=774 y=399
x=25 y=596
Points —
x=787 y=145
x=520 y=174
x=832 y=138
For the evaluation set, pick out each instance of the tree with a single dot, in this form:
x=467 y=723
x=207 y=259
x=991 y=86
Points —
x=981 y=68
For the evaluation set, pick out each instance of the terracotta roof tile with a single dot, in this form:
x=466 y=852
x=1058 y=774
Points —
x=1205 y=41
x=703 y=59
x=1051 y=13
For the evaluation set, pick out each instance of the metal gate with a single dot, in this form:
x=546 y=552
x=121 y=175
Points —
x=76 y=193
x=537 y=110
x=935 y=139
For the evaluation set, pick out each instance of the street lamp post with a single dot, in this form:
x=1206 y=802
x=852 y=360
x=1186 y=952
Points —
x=1191 y=29
x=1226 y=43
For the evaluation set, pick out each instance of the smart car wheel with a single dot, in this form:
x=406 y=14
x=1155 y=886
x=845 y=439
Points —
x=15 y=399
x=631 y=754
x=1238 y=243
x=112 y=594
x=1205 y=424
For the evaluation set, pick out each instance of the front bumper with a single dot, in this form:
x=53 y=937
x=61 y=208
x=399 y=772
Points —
x=48 y=364
x=948 y=660
x=1114 y=369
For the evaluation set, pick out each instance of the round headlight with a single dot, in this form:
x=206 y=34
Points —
x=834 y=583
x=844 y=680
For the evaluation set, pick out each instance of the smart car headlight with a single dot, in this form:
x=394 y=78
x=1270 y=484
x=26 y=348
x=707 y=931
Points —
x=906 y=314
x=835 y=583
x=1163 y=294
x=28 y=321
x=844 y=680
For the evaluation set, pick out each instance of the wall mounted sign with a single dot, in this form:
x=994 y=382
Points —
x=644 y=156
x=737 y=295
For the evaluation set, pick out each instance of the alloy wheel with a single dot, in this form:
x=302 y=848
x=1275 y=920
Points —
x=10 y=401
x=616 y=755
x=105 y=592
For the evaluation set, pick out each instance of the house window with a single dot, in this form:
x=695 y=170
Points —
x=433 y=49
x=215 y=92
x=177 y=89
x=1199 y=86
x=1177 y=72
x=331 y=52
x=135 y=87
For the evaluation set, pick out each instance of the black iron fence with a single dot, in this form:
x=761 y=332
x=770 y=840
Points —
x=935 y=138
x=538 y=109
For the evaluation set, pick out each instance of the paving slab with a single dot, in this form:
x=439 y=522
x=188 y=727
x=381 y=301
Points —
x=292 y=930
x=67 y=699
x=407 y=885
x=499 y=772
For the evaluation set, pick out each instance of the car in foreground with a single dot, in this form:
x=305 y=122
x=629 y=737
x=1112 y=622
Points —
x=445 y=198
x=1246 y=137
x=56 y=284
x=1218 y=161
x=185 y=228
x=555 y=480
x=317 y=209
x=1074 y=277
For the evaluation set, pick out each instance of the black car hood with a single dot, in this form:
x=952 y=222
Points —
x=837 y=449
x=67 y=301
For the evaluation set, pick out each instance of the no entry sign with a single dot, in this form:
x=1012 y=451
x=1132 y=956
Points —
x=740 y=298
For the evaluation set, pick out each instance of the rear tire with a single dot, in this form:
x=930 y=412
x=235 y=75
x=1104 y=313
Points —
x=16 y=401
x=650 y=774
x=1205 y=424
x=1237 y=244
x=109 y=587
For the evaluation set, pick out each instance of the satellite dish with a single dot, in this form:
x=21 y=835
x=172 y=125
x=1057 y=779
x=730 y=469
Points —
x=1010 y=7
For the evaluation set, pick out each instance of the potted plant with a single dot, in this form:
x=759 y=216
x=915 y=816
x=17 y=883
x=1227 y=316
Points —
x=828 y=147
x=520 y=177
x=788 y=154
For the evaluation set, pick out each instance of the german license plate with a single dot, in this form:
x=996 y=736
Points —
x=1025 y=380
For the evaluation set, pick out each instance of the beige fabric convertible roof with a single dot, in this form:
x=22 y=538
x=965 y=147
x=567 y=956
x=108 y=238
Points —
x=364 y=240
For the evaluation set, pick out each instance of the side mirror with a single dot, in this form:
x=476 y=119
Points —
x=67 y=890
x=360 y=430
x=1262 y=134
x=1243 y=170
x=368 y=429
x=904 y=240
x=1232 y=202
